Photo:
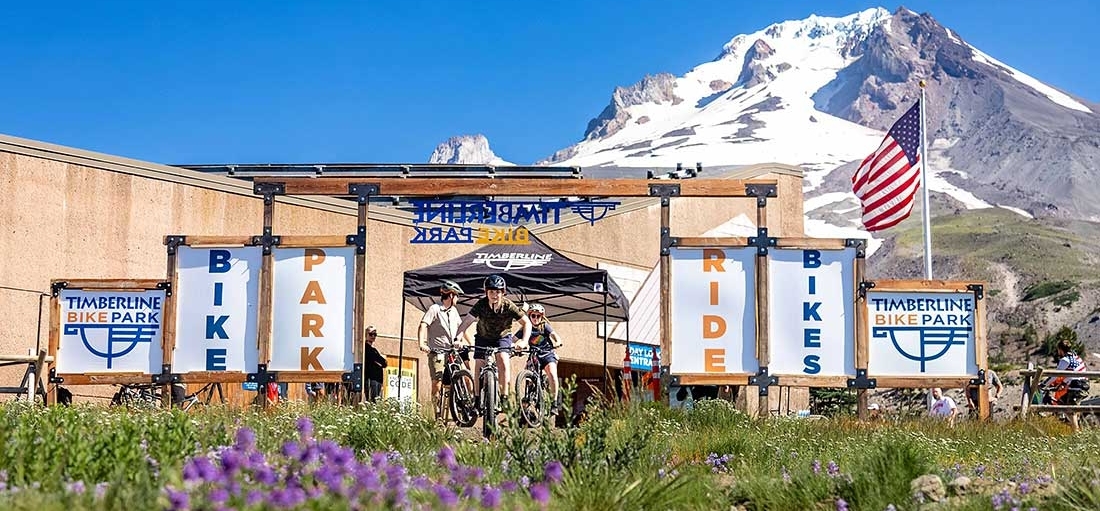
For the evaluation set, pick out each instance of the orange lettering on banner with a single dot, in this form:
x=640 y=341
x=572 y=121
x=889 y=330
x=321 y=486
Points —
x=880 y=319
x=309 y=358
x=313 y=293
x=714 y=360
x=713 y=326
x=311 y=324
x=714 y=293
x=314 y=257
x=713 y=259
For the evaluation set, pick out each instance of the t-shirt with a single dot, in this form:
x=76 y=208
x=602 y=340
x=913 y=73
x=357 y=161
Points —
x=495 y=324
x=442 y=326
x=540 y=336
x=942 y=407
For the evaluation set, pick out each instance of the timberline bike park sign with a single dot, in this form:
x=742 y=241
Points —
x=501 y=222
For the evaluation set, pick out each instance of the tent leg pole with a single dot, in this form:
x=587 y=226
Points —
x=400 y=351
x=607 y=375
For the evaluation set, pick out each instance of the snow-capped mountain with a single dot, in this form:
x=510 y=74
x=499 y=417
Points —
x=466 y=149
x=820 y=93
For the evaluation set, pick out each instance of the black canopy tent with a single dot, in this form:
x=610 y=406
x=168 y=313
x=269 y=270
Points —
x=535 y=273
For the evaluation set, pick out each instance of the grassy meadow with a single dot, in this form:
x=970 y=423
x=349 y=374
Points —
x=624 y=456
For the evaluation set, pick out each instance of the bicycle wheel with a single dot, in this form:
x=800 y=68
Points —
x=530 y=398
x=488 y=404
x=463 y=408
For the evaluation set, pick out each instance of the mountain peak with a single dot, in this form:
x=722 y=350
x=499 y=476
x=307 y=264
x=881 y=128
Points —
x=466 y=150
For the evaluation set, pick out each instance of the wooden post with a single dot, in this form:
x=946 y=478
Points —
x=763 y=355
x=263 y=317
x=168 y=326
x=666 y=305
x=981 y=357
x=54 y=341
x=358 y=350
x=1025 y=399
x=861 y=335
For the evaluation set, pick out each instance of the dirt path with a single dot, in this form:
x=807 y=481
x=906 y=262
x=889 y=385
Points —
x=1011 y=281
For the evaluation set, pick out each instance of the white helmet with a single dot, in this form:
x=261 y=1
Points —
x=537 y=308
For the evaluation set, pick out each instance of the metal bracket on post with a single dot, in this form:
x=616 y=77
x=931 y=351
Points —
x=166 y=286
x=362 y=192
x=859 y=245
x=664 y=191
x=864 y=286
x=761 y=192
x=980 y=380
x=355 y=377
x=166 y=376
x=763 y=381
x=861 y=381
x=761 y=241
x=978 y=289
x=667 y=241
x=173 y=243
x=261 y=376
x=269 y=191
x=56 y=287
x=672 y=379
x=54 y=378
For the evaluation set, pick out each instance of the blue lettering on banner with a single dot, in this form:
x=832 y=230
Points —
x=922 y=329
x=215 y=359
x=462 y=213
x=641 y=356
x=812 y=336
x=216 y=327
x=219 y=261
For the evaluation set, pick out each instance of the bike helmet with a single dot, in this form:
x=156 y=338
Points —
x=537 y=308
x=494 y=282
x=450 y=286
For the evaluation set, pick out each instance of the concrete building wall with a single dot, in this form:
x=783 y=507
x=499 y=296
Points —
x=74 y=214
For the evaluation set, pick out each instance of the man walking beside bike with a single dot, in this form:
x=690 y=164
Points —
x=438 y=330
x=494 y=315
x=543 y=342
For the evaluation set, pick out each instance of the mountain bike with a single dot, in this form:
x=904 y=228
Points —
x=532 y=391
x=489 y=396
x=456 y=393
x=137 y=396
x=201 y=398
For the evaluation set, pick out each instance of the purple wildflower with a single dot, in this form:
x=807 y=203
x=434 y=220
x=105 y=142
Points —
x=1024 y=488
x=254 y=497
x=291 y=450
x=178 y=500
x=816 y=466
x=833 y=468
x=446 y=458
x=786 y=475
x=841 y=505
x=509 y=486
x=246 y=439
x=490 y=498
x=540 y=493
x=554 y=471
x=219 y=495
x=100 y=490
x=305 y=427
x=76 y=487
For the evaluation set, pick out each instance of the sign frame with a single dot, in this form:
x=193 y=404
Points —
x=104 y=378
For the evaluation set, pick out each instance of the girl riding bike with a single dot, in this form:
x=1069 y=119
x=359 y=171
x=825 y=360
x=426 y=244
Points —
x=542 y=344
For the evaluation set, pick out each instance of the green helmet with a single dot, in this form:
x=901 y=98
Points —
x=450 y=286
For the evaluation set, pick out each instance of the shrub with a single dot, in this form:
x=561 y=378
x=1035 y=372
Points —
x=1045 y=289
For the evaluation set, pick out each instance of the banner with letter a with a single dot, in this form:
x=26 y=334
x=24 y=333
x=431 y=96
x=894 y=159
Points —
x=811 y=296
x=217 y=298
x=110 y=331
x=312 y=306
x=713 y=291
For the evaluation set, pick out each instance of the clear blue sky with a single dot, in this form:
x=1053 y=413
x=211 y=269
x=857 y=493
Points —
x=371 y=81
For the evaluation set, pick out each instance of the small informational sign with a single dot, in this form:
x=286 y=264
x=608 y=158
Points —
x=217 y=295
x=110 y=331
x=312 y=309
x=919 y=334
x=713 y=311
x=403 y=374
x=811 y=303
x=641 y=356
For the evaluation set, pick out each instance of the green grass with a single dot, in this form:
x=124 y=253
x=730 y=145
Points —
x=633 y=456
x=1045 y=289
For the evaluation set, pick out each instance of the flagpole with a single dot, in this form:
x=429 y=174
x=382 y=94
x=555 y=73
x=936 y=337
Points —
x=927 y=214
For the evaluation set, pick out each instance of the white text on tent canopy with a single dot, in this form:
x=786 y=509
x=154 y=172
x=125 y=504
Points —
x=713 y=314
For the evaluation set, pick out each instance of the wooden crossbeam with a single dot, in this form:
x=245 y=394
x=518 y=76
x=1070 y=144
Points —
x=420 y=187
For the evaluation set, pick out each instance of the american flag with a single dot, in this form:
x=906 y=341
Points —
x=887 y=180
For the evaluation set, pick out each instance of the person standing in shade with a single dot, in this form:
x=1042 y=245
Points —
x=943 y=406
x=374 y=365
